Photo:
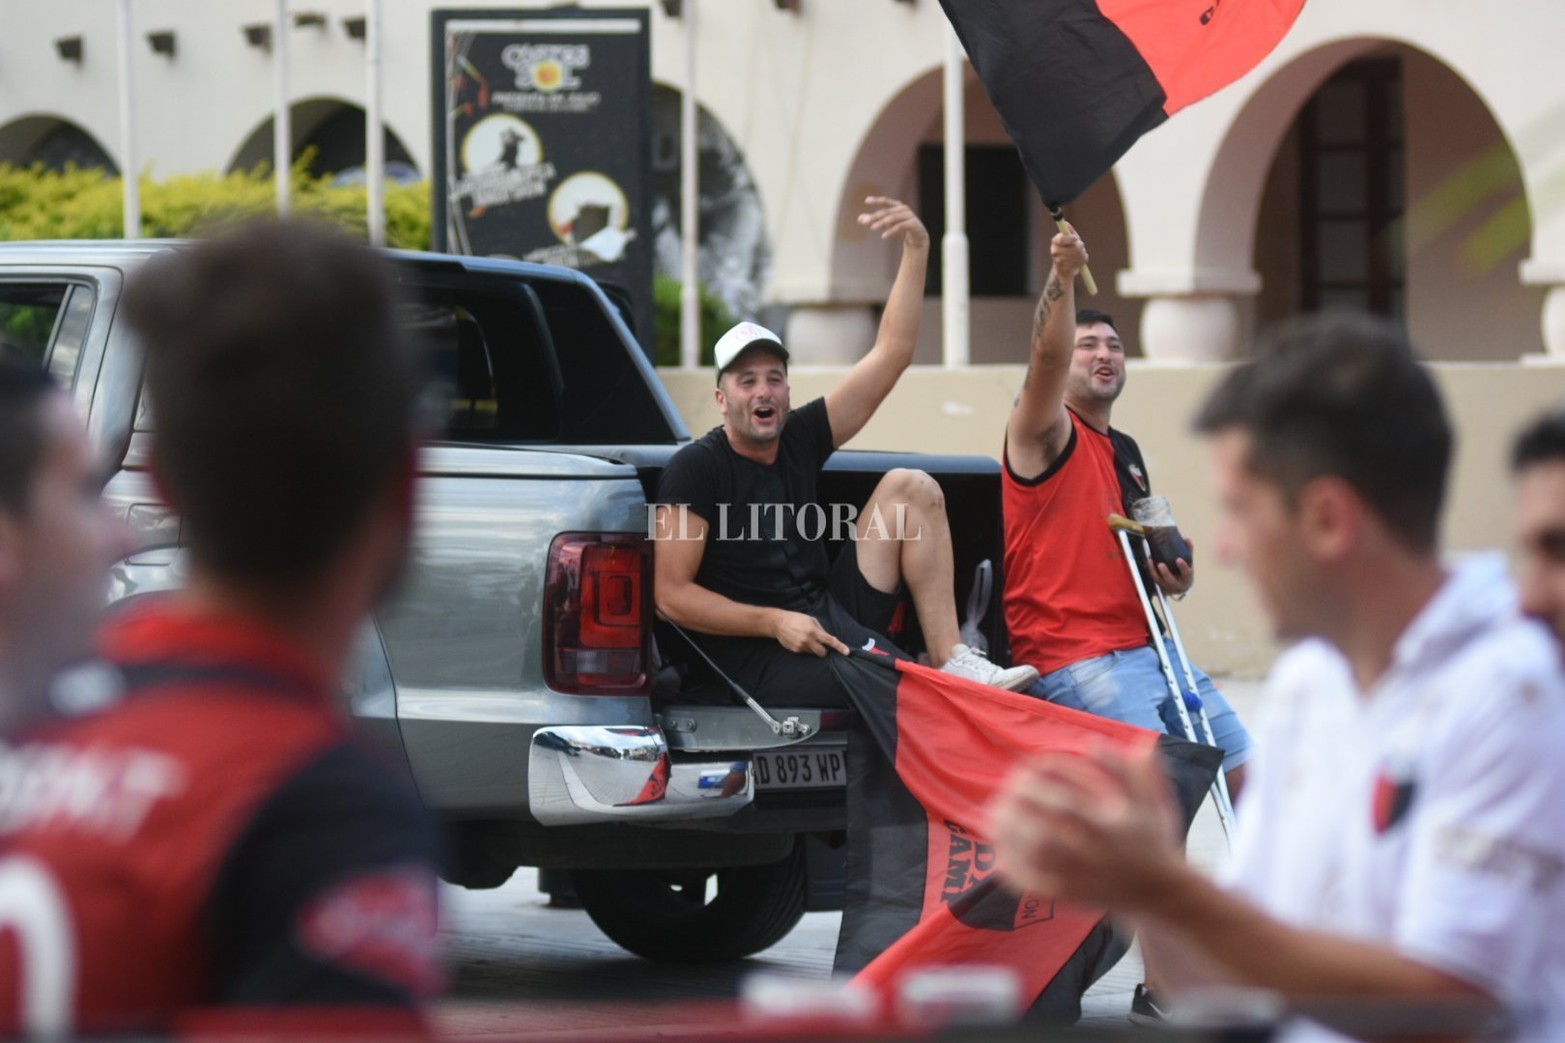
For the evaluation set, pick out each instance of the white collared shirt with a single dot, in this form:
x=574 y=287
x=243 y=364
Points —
x=1429 y=812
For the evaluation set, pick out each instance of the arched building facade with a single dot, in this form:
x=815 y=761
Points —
x=1447 y=211
x=1404 y=155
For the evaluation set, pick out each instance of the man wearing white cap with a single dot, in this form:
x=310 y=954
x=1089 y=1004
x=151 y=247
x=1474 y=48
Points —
x=736 y=559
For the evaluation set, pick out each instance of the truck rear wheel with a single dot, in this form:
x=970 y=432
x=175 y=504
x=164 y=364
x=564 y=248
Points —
x=665 y=915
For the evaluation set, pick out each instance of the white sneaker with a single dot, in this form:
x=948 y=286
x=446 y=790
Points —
x=975 y=666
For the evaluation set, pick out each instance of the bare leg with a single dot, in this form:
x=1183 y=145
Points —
x=905 y=536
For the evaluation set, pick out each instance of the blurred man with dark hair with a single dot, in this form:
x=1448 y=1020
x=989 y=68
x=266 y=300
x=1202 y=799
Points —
x=238 y=850
x=1538 y=462
x=1071 y=605
x=1402 y=839
x=57 y=539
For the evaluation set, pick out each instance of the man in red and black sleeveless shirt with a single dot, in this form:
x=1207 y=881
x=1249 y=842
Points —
x=1071 y=606
x=207 y=848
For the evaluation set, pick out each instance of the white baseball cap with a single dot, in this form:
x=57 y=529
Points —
x=745 y=335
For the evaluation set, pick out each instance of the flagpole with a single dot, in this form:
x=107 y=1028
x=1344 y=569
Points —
x=130 y=173
x=689 y=204
x=955 y=300
x=282 y=122
x=1087 y=281
x=374 y=128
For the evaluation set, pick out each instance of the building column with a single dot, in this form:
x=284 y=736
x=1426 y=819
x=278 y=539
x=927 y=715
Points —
x=1192 y=315
x=829 y=334
x=1552 y=275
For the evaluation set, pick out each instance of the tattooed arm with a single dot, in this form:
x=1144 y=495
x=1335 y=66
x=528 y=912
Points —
x=1038 y=428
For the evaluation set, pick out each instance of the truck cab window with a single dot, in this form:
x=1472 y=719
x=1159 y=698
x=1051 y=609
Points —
x=46 y=324
x=475 y=403
x=488 y=367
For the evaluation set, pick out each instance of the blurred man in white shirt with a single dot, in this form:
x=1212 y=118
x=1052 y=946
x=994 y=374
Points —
x=1401 y=842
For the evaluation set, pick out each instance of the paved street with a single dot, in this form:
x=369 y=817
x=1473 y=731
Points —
x=508 y=947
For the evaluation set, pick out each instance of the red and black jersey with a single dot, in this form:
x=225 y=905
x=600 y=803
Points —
x=1069 y=595
x=213 y=838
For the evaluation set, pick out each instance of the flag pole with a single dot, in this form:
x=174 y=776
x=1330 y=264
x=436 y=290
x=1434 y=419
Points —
x=130 y=174
x=689 y=203
x=282 y=123
x=955 y=288
x=374 y=128
x=1086 y=273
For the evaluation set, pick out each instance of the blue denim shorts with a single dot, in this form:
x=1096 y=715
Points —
x=1129 y=686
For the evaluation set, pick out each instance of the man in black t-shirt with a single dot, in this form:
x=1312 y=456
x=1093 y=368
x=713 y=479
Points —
x=739 y=544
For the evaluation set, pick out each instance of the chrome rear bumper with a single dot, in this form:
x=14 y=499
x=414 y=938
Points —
x=593 y=773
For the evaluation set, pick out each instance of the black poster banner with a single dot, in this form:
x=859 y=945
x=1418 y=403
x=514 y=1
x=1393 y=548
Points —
x=544 y=153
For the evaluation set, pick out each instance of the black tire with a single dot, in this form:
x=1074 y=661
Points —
x=663 y=915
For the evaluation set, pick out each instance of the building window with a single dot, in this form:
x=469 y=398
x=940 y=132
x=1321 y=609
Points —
x=1350 y=191
x=998 y=221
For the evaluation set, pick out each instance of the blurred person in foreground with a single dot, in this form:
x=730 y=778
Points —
x=57 y=540
x=213 y=847
x=1402 y=839
x=1538 y=463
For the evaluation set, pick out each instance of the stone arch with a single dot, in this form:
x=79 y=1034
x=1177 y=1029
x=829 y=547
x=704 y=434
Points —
x=53 y=141
x=335 y=129
x=886 y=163
x=1230 y=203
x=1466 y=222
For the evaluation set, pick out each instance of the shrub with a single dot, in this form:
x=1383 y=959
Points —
x=715 y=320
x=86 y=204
x=36 y=203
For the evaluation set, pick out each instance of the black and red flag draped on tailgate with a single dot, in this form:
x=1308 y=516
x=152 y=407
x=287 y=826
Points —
x=920 y=889
x=1076 y=82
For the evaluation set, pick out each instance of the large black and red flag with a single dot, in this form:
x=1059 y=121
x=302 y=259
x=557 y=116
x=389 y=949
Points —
x=921 y=887
x=1076 y=82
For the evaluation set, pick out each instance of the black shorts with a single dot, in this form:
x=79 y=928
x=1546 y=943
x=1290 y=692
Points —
x=872 y=608
x=851 y=609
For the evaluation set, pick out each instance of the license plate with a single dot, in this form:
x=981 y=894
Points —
x=800 y=769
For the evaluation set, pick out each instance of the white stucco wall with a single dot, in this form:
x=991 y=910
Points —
x=828 y=106
x=1219 y=151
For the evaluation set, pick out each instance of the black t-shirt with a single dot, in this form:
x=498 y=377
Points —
x=765 y=526
x=342 y=833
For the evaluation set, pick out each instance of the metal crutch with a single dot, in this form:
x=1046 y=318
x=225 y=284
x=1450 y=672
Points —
x=1124 y=528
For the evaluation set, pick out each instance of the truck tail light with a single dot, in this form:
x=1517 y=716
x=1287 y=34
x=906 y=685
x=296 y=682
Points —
x=597 y=623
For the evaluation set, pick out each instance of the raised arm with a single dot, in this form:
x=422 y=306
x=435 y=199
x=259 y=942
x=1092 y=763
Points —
x=1038 y=429
x=1101 y=829
x=1235 y=942
x=677 y=550
x=851 y=403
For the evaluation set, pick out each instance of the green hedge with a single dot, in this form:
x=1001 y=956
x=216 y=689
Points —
x=87 y=204
x=715 y=320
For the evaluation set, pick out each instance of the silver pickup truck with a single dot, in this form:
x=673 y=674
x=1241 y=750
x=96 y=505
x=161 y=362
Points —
x=518 y=674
